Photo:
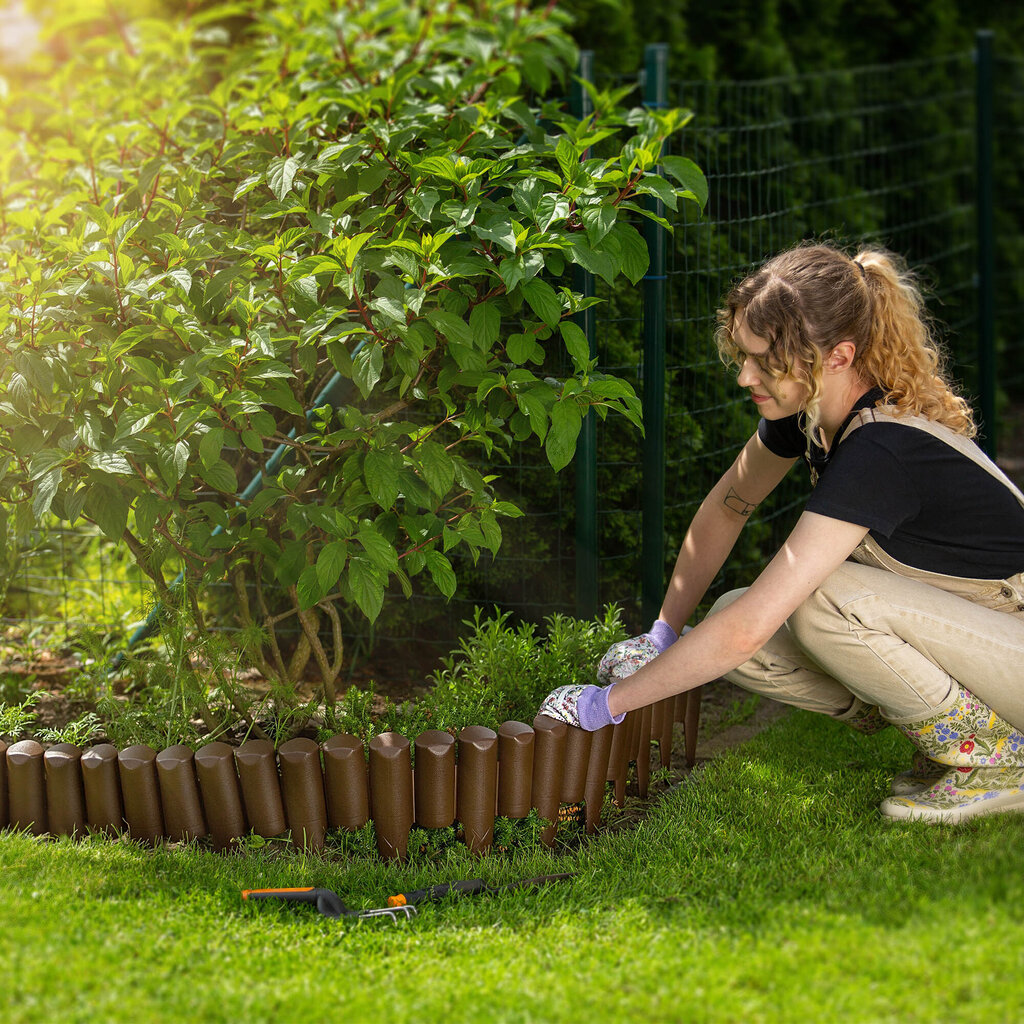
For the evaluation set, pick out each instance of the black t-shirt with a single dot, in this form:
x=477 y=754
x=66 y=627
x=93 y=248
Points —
x=924 y=503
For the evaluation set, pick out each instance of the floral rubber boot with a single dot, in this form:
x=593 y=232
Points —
x=863 y=718
x=984 y=759
x=923 y=773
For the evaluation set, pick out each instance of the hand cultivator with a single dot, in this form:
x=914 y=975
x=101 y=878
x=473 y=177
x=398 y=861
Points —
x=402 y=904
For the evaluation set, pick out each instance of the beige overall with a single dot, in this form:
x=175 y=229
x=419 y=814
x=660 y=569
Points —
x=893 y=635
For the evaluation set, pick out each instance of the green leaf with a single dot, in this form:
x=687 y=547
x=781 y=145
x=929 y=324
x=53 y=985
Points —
x=220 y=476
x=423 y=201
x=565 y=428
x=377 y=547
x=211 y=446
x=599 y=263
x=543 y=300
x=437 y=467
x=689 y=176
x=512 y=270
x=498 y=231
x=520 y=347
x=110 y=462
x=181 y=454
x=291 y=563
x=252 y=441
x=330 y=563
x=367 y=367
x=506 y=508
x=245 y=187
x=576 y=344
x=279 y=395
x=43 y=492
x=441 y=572
x=108 y=509
x=381 y=471
x=44 y=461
x=450 y=326
x=551 y=208
x=366 y=586
x=598 y=220
x=280 y=175
x=73 y=505
x=652 y=184
x=535 y=410
x=484 y=325
x=526 y=195
x=634 y=252
x=216 y=290
x=309 y=588
x=567 y=157
x=147 y=509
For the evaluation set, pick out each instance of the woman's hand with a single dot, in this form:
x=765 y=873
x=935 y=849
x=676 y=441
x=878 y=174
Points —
x=622 y=659
x=585 y=707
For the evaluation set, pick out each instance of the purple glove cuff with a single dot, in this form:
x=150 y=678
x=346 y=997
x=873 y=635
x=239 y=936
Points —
x=592 y=708
x=662 y=635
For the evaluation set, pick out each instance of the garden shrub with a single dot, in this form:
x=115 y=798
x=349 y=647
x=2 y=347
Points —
x=273 y=276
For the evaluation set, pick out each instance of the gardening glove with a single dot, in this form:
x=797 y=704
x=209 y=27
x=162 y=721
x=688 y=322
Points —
x=625 y=657
x=586 y=707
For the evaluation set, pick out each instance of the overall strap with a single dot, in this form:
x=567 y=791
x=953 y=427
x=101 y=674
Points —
x=965 y=446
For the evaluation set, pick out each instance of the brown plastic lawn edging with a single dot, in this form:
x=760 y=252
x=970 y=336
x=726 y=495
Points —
x=307 y=789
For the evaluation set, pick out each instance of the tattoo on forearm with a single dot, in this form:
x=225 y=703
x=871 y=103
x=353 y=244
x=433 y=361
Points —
x=736 y=504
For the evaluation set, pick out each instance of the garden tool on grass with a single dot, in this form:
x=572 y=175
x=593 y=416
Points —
x=467 y=887
x=327 y=903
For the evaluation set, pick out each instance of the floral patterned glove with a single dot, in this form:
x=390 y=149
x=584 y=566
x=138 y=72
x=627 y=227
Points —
x=625 y=657
x=585 y=707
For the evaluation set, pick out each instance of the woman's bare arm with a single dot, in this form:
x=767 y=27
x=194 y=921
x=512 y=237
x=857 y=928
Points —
x=817 y=546
x=718 y=522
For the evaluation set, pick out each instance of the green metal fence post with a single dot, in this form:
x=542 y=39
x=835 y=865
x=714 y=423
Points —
x=653 y=487
x=984 y=100
x=585 y=463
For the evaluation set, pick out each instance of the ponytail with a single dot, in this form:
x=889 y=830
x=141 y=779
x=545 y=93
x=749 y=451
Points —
x=901 y=355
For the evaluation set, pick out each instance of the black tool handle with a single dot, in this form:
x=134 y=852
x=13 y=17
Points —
x=464 y=888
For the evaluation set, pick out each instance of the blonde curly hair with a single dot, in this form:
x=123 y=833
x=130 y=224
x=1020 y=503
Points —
x=806 y=300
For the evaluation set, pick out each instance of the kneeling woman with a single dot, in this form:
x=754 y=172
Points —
x=899 y=595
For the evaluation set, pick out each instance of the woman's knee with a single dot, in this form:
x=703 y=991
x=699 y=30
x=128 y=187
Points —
x=727 y=599
x=831 y=604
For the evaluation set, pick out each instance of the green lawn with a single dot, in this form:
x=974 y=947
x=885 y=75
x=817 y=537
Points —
x=767 y=889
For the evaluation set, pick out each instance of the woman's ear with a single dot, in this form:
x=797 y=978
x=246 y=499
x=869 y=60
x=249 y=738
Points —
x=841 y=356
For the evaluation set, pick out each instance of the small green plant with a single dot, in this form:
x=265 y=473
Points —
x=17 y=719
x=430 y=843
x=81 y=731
x=360 y=842
x=501 y=672
x=513 y=834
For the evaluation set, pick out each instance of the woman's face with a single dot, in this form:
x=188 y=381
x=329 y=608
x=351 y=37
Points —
x=775 y=396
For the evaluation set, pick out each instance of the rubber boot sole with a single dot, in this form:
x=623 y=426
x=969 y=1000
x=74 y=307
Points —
x=906 y=809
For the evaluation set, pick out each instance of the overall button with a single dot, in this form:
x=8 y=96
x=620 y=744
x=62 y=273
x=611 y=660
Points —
x=1006 y=592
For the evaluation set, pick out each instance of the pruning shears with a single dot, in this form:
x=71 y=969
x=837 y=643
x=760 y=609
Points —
x=327 y=903
x=402 y=904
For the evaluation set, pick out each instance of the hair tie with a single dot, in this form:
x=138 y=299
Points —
x=860 y=267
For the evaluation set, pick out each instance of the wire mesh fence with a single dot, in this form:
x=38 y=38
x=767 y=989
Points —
x=882 y=154
x=1009 y=200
